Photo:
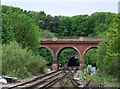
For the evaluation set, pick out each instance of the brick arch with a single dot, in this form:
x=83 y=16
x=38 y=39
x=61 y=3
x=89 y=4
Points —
x=80 y=44
x=49 y=50
x=65 y=47
x=90 y=47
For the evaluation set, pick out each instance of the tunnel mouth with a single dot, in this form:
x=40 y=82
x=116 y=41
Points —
x=66 y=54
x=73 y=62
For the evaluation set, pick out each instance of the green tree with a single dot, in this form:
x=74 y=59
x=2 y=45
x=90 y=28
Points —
x=20 y=26
x=64 y=28
x=39 y=17
x=50 y=23
x=91 y=57
x=46 y=54
x=46 y=33
x=79 y=25
x=19 y=62
x=111 y=53
x=100 y=22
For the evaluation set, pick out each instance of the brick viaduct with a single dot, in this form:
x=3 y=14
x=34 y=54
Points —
x=80 y=44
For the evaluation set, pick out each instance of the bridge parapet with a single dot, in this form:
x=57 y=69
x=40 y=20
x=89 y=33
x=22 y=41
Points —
x=80 y=44
x=66 y=39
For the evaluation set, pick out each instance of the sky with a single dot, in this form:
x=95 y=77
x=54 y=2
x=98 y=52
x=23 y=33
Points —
x=65 y=7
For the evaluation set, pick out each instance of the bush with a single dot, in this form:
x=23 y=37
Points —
x=36 y=66
x=46 y=33
x=20 y=62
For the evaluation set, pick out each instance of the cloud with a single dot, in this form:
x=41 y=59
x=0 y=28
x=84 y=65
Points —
x=73 y=7
x=60 y=1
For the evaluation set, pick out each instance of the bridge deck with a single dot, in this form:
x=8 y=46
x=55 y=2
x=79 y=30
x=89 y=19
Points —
x=70 y=39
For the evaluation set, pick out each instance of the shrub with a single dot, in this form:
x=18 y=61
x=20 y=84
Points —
x=46 y=33
x=20 y=62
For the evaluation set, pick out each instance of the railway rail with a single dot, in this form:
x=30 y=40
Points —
x=48 y=81
x=39 y=80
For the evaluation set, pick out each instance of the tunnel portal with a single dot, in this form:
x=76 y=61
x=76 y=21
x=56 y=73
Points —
x=73 y=61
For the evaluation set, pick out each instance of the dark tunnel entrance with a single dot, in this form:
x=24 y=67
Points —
x=73 y=62
x=68 y=57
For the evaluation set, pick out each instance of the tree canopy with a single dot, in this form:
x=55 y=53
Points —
x=26 y=27
x=108 y=50
x=17 y=25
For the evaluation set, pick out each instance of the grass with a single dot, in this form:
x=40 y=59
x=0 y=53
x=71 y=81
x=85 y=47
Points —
x=102 y=79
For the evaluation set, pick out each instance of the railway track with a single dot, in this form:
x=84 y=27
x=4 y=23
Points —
x=48 y=81
x=43 y=82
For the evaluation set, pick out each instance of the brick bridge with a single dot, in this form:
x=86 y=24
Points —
x=80 y=44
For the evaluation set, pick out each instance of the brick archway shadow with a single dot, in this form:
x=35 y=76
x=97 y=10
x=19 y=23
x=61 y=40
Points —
x=49 y=50
x=65 y=47
x=91 y=47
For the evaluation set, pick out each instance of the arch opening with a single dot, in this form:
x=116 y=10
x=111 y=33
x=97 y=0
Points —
x=66 y=54
x=47 y=54
x=90 y=56
x=73 y=62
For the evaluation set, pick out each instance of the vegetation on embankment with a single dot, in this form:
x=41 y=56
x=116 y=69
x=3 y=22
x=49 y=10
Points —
x=25 y=28
x=108 y=51
x=103 y=79
x=19 y=62
x=99 y=79
x=20 y=39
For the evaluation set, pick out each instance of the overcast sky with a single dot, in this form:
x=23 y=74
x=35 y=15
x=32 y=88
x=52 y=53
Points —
x=65 y=7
